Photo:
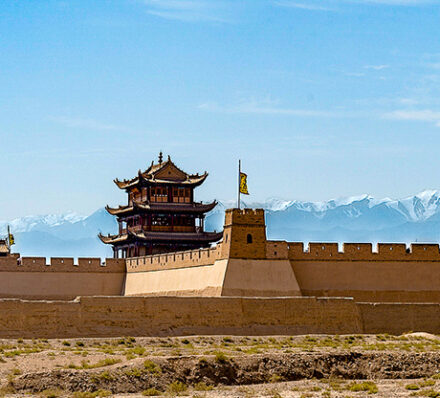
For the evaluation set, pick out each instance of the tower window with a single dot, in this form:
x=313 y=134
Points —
x=249 y=238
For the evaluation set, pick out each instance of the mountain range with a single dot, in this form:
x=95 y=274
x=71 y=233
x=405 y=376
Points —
x=351 y=219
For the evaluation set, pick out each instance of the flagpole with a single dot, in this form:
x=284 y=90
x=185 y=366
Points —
x=239 y=181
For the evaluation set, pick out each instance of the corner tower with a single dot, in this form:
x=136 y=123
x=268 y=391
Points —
x=244 y=234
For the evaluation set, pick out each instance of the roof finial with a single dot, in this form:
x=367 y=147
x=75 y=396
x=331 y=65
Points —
x=160 y=157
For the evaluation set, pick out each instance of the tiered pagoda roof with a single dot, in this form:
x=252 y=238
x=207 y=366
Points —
x=137 y=207
x=160 y=174
x=161 y=214
x=147 y=236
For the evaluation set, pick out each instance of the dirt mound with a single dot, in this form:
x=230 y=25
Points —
x=159 y=373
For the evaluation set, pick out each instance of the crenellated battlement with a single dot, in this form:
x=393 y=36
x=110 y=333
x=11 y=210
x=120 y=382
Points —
x=183 y=259
x=14 y=263
x=353 y=251
x=244 y=217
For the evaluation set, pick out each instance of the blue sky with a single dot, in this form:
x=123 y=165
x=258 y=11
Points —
x=319 y=99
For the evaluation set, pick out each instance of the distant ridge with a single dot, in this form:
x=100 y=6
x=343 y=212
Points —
x=349 y=219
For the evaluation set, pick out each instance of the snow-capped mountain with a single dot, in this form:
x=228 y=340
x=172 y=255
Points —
x=38 y=223
x=356 y=218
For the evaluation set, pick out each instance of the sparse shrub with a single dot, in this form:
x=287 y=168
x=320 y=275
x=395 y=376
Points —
x=152 y=367
x=185 y=341
x=274 y=378
x=201 y=386
x=138 y=350
x=51 y=393
x=429 y=393
x=95 y=394
x=105 y=376
x=367 y=386
x=427 y=383
x=151 y=392
x=133 y=372
x=177 y=387
x=66 y=343
x=220 y=357
x=412 y=387
x=228 y=339
x=79 y=344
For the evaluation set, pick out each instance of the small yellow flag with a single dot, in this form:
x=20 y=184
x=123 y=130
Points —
x=11 y=240
x=243 y=184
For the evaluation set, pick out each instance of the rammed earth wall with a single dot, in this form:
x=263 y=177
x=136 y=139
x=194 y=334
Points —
x=61 y=278
x=178 y=316
x=168 y=316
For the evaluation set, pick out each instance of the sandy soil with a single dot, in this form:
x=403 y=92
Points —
x=223 y=366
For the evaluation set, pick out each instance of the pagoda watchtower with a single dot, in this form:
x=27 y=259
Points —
x=161 y=215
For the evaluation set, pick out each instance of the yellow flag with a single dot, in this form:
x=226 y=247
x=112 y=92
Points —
x=243 y=184
x=11 y=240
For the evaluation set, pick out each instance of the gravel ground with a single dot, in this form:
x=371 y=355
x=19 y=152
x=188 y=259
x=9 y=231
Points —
x=223 y=366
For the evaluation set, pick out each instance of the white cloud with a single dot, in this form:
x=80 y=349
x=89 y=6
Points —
x=304 y=6
x=376 y=67
x=426 y=115
x=190 y=10
x=266 y=107
x=88 y=124
x=434 y=65
x=330 y=5
x=354 y=74
x=396 y=2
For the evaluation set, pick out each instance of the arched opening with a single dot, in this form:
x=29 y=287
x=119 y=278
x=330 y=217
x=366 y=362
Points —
x=249 y=238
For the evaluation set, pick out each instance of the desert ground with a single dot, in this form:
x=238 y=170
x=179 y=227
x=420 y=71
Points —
x=223 y=366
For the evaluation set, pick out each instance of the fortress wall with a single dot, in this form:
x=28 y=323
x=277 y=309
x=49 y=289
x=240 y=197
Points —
x=173 y=316
x=60 y=264
x=201 y=280
x=375 y=281
x=393 y=273
x=260 y=278
x=398 y=318
x=183 y=259
x=170 y=316
x=277 y=250
x=31 y=278
x=363 y=251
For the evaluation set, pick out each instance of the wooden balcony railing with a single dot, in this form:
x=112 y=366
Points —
x=162 y=228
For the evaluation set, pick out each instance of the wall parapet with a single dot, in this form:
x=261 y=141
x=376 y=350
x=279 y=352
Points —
x=61 y=264
x=182 y=259
x=361 y=251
